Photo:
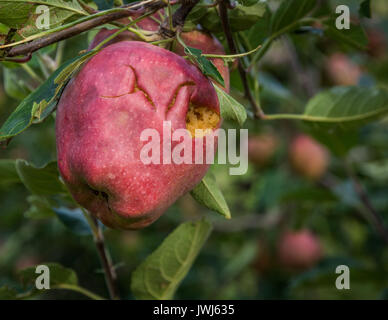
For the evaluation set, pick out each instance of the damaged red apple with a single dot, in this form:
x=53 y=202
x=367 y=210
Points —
x=308 y=157
x=126 y=88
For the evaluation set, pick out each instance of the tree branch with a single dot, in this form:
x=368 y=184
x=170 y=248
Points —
x=223 y=11
x=30 y=47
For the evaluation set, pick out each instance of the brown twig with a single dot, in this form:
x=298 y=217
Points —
x=30 y=47
x=109 y=270
x=223 y=11
x=178 y=18
x=23 y=59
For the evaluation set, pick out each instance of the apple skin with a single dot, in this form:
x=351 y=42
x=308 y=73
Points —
x=261 y=149
x=308 y=157
x=299 y=250
x=128 y=87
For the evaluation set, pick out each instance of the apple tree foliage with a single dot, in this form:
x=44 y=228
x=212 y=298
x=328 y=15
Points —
x=292 y=94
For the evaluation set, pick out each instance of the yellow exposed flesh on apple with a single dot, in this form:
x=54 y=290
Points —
x=201 y=118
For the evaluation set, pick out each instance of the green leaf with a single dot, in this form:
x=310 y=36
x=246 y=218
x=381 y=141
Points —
x=40 y=181
x=207 y=67
x=230 y=108
x=289 y=12
x=194 y=17
x=159 y=276
x=37 y=106
x=59 y=278
x=259 y=31
x=365 y=10
x=39 y=208
x=48 y=207
x=21 y=14
x=209 y=195
x=243 y=17
x=13 y=85
x=68 y=71
x=355 y=37
x=347 y=105
x=74 y=220
x=8 y=173
x=337 y=140
x=58 y=275
x=50 y=196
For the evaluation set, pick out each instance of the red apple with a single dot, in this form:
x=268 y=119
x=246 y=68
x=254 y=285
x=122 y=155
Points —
x=126 y=88
x=342 y=71
x=308 y=157
x=261 y=148
x=298 y=250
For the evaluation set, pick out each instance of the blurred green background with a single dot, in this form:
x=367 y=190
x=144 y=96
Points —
x=240 y=259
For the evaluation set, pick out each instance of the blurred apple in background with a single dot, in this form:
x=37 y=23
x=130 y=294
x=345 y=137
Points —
x=298 y=250
x=342 y=71
x=308 y=157
x=26 y=261
x=262 y=148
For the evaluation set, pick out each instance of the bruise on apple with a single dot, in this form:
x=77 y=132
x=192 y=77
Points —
x=125 y=89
